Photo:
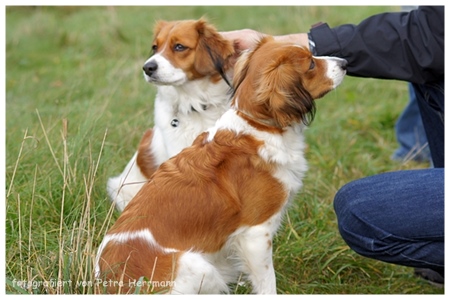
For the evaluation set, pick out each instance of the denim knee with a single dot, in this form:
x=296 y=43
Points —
x=352 y=227
x=395 y=217
x=345 y=200
x=342 y=208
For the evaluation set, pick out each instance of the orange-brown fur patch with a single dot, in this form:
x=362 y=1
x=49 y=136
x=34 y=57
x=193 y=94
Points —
x=145 y=160
x=124 y=263
x=258 y=125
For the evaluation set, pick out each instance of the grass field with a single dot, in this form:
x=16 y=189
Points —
x=77 y=104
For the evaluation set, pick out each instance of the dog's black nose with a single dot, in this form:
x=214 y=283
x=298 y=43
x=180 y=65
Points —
x=150 y=67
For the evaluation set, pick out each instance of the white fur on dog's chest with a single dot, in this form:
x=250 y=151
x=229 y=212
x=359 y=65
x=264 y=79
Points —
x=195 y=107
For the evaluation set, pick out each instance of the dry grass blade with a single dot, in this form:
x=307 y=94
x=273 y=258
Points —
x=16 y=164
x=61 y=222
x=49 y=144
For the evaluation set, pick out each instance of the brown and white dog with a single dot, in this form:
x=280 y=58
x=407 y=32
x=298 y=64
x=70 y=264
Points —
x=210 y=213
x=188 y=64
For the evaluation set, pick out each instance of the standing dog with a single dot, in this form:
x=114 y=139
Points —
x=188 y=66
x=211 y=212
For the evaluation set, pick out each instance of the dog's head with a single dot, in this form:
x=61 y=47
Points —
x=277 y=83
x=186 y=50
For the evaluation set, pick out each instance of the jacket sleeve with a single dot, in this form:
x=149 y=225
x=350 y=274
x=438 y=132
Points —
x=405 y=46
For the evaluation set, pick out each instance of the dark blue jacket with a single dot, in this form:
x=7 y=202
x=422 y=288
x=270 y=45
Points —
x=407 y=46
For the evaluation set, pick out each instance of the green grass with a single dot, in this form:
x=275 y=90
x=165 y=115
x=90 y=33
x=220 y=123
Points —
x=76 y=106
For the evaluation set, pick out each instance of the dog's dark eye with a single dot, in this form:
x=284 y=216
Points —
x=154 y=48
x=312 y=65
x=179 y=47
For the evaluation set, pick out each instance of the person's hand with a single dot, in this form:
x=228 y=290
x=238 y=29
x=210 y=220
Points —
x=248 y=38
x=243 y=39
x=300 y=39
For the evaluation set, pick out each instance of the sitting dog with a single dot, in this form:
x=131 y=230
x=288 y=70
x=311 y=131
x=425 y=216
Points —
x=188 y=65
x=210 y=213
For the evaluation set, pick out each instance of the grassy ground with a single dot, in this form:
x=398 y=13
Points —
x=77 y=105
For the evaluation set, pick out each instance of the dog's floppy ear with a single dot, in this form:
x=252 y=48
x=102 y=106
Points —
x=240 y=69
x=212 y=50
x=281 y=89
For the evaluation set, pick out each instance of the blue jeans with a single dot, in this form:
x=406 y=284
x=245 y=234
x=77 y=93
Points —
x=404 y=226
x=398 y=217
